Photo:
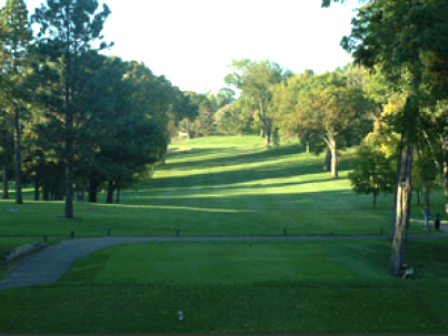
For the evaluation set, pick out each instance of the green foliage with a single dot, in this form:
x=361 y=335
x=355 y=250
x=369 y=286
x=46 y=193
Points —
x=255 y=80
x=373 y=173
x=15 y=39
x=234 y=118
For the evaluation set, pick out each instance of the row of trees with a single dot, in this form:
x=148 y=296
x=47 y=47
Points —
x=326 y=112
x=405 y=41
x=393 y=102
x=71 y=119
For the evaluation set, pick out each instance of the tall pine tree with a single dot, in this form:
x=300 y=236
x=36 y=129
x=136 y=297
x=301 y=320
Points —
x=68 y=29
x=15 y=40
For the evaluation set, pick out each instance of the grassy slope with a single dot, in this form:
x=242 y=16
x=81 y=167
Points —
x=232 y=187
x=224 y=186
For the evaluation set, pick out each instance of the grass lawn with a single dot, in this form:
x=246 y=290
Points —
x=224 y=186
x=267 y=287
x=231 y=186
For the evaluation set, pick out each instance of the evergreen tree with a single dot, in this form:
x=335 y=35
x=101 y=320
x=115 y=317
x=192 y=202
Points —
x=68 y=29
x=15 y=40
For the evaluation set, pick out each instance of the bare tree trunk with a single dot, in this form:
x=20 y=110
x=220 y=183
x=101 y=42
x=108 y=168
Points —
x=308 y=147
x=425 y=185
x=93 y=192
x=18 y=156
x=60 y=191
x=36 y=188
x=69 y=129
x=334 y=159
x=327 y=165
x=118 y=192
x=268 y=138
x=445 y=165
x=403 y=208
x=392 y=229
x=110 y=192
x=426 y=194
x=46 y=192
x=5 y=194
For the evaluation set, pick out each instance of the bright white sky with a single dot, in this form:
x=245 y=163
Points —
x=192 y=42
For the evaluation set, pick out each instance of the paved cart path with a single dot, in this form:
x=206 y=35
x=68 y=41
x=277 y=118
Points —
x=48 y=265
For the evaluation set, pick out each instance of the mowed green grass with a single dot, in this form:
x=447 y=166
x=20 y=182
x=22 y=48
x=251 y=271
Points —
x=264 y=287
x=224 y=186
x=232 y=186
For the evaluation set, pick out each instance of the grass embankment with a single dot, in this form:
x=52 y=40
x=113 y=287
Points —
x=232 y=186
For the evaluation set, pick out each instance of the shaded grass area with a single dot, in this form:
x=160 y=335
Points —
x=269 y=287
x=226 y=309
x=224 y=186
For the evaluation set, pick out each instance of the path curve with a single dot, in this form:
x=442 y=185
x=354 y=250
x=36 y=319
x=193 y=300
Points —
x=48 y=265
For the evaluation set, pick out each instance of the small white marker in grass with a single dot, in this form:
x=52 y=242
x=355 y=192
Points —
x=181 y=315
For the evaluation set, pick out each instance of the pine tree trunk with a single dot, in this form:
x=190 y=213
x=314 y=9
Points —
x=446 y=187
x=36 y=189
x=118 y=193
x=334 y=160
x=110 y=192
x=403 y=208
x=93 y=192
x=59 y=191
x=18 y=156
x=69 y=170
x=69 y=130
x=5 y=194
x=46 y=192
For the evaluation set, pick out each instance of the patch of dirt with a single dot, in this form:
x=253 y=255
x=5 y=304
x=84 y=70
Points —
x=180 y=150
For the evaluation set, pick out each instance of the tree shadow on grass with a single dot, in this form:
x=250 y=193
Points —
x=227 y=160
x=325 y=212
x=245 y=175
x=192 y=191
